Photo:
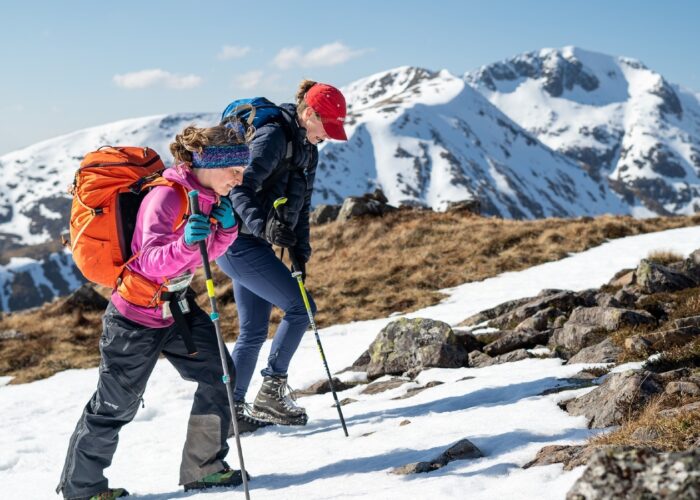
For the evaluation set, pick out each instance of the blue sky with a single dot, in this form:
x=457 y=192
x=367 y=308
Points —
x=68 y=65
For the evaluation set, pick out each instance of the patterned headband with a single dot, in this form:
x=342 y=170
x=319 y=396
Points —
x=221 y=156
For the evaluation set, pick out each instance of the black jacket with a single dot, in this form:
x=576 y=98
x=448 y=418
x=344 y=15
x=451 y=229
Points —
x=267 y=150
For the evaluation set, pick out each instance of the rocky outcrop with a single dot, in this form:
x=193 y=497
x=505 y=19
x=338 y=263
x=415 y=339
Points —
x=479 y=359
x=618 y=397
x=413 y=344
x=639 y=473
x=510 y=341
x=323 y=214
x=587 y=325
x=603 y=352
x=370 y=204
x=653 y=278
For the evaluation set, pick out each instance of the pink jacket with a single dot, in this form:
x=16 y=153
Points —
x=162 y=252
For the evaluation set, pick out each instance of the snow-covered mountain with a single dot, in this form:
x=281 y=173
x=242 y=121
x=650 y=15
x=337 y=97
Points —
x=552 y=133
x=428 y=138
x=623 y=121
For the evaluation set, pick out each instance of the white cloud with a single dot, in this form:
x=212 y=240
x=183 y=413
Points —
x=288 y=57
x=249 y=80
x=330 y=54
x=156 y=77
x=232 y=52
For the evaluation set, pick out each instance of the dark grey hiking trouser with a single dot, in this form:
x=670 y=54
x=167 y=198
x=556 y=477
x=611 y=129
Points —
x=129 y=354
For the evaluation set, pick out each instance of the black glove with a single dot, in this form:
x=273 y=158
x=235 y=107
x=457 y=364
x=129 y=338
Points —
x=277 y=233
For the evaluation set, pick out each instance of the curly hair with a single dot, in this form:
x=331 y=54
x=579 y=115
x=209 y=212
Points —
x=196 y=139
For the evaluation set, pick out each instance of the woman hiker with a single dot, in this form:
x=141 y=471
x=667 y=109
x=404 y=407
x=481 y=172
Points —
x=209 y=160
x=260 y=279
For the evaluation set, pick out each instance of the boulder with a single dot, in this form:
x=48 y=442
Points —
x=541 y=320
x=369 y=204
x=562 y=300
x=570 y=455
x=494 y=312
x=603 y=352
x=414 y=344
x=323 y=214
x=479 y=359
x=654 y=278
x=683 y=388
x=462 y=450
x=323 y=387
x=612 y=401
x=639 y=473
x=510 y=341
x=587 y=325
x=383 y=385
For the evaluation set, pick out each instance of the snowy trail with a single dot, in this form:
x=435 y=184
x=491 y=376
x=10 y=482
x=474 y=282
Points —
x=498 y=409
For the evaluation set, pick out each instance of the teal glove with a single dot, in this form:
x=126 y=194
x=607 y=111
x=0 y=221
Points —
x=223 y=213
x=197 y=229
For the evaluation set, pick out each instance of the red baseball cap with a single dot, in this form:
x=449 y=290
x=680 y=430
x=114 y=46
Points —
x=329 y=103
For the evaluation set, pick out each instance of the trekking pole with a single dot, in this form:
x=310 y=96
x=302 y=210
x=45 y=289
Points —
x=296 y=273
x=194 y=204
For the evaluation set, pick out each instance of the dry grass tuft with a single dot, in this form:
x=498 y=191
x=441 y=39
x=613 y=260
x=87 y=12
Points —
x=664 y=257
x=649 y=429
x=366 y=268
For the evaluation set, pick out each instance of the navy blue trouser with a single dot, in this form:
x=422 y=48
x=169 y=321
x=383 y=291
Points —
x=261 y=280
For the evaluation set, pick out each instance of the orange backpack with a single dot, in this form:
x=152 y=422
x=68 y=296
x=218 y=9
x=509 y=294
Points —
x=107 y=191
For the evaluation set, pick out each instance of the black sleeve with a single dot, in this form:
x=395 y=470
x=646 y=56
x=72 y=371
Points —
x=267 y=150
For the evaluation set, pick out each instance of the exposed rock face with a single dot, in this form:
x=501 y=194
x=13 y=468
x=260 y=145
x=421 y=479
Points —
x=587 y=325
x=639 y=473
x=323 y=214
x=570 y=456
x=369 y=204
x=510 y=341
x=603 y=352
x=461 y=450
x=410 y=344
x=653 y=278
x=479 y=359
x=620 y=394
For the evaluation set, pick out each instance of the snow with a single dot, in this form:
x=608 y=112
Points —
x=498 y=408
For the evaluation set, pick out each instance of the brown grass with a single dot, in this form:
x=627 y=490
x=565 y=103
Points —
x=664 y=257
x=675 y=433
x=366 y=268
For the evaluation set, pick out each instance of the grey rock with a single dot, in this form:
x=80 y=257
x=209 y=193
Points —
x=462 y=450
x=410 y=344
x=570 y=456
x=683 y=388
x=653 y=278
x=603 y=352
x=85 y=298
x=417 y=390
x=369 y=204
x=384 y=385
x=479 y=360
x=323 y=214
x=674 y=412
x=563 y=300
x=609 y=403
x=494 y=312
x=510 y=341
x=323 y=387
x=639 y=473
x=541 y=320
x=587 y=325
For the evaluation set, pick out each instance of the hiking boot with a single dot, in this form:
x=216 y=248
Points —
x=226 y=477
x=109 y=494
x=276 y=404
x=246 y=421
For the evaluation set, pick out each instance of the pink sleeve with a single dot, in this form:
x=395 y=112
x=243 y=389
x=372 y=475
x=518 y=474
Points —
x=219 y=243
x=163 y=252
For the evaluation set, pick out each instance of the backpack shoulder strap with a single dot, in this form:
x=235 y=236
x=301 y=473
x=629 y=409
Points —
x=184 y=200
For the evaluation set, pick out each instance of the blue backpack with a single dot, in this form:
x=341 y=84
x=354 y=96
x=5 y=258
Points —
x=259 y=111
